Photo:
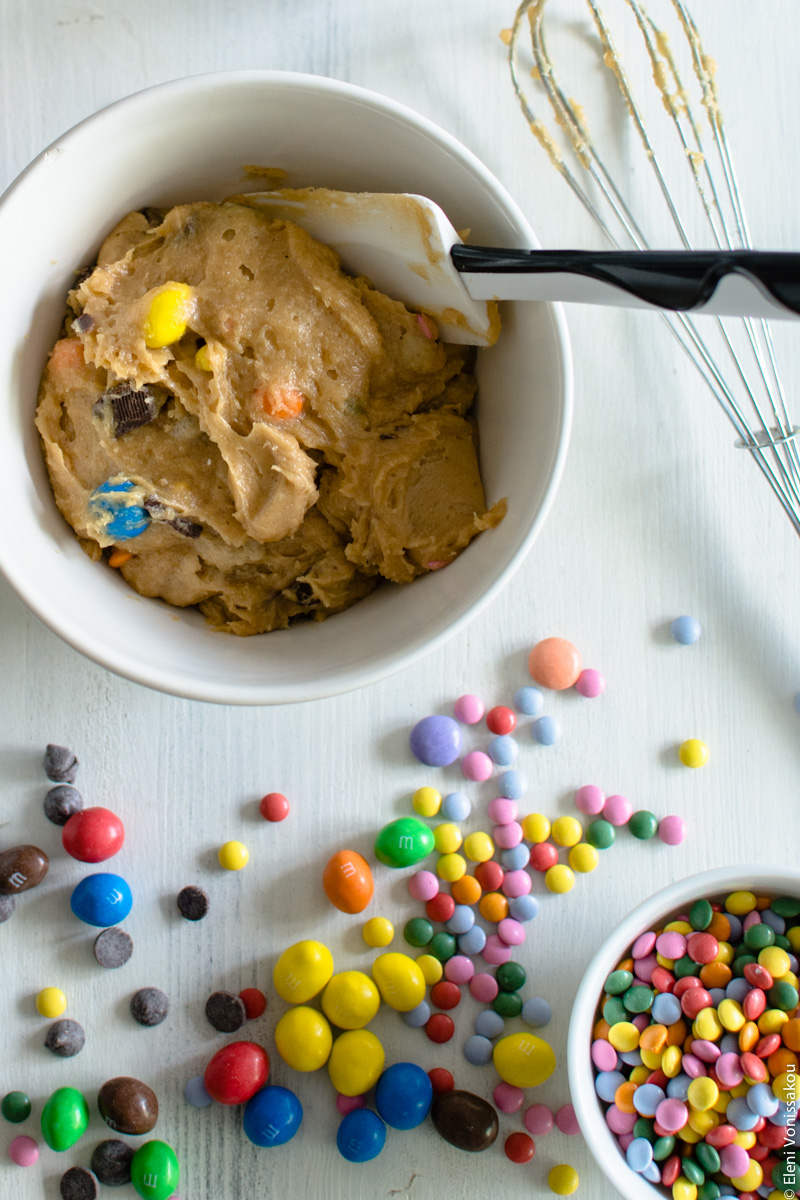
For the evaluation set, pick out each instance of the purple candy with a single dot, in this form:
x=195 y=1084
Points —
x=436 y=741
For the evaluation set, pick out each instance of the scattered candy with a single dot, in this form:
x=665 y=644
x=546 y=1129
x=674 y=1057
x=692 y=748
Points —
x=127 y=1105
x=225 y=1012
x=195 y=1093
x=113 y=947
x=361 y=1136
x=546 y=731
x=403 y=1095
x=272 y=1117
x=590 y=800
x=501 y=720
x=456 y=807
x=529 y=701
x=111 y=1162
x=154 y=1171
x=254 y=1001
x=477 y=766
x=93 y=835
x=379 y=931
x=554 y=663
x=590 y=684
x=693 y=753
x=65 y=1118
x=356 y=1061
x=538 y=1120
x=519 y=1148
x=302 y=971
x=274 y=807
x=643 y=825
x=465 y=1120
x=685 y=630
x=22 y=868
x=65 y=1038
x=7 y=906
x=102 y=900
x=523 y=1059
x=303 y=1038
x=564 y=1180
x=79 y=1184
x=672 y=830
x=23 y=1151
x=233 y=856
x=441 y=1080
x=426 y=801
x=403 y=843
x=51 y=1002
x=436 y=741
x=350 y=1001
x=192 y=902
x=149 y=1006
x=15 y=1107
x=567 y=1121
x=468 y=709
x=347 y=880
x=236 y=1072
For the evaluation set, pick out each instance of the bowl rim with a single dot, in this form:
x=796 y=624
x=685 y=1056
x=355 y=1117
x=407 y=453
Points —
x=601 y=1142
x=123 y=662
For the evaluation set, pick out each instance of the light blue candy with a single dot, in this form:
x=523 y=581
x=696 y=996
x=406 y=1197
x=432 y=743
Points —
x=462 y=920
x=685 y=630
x=489 y=1024
x=647 y=1098
x=772 y=919
x=472 y=942
x=419 y=1016
x=512 y=785
x=121 y=518
x=717 y=995
x=606 y=1084
x=639 y=1154
x=523 y=908
x=503 y=750
x=740 y=1115
x=678 y=1088
x=195 y=1093
x=478 y=1050
x=761 y=1100
x=784 y=1116
x=737 y=989
x=516 y=857
x=729 y=1044
x=102 y=900
x=666 y=1009
x=631 y=1058
x=797 y=701
x=546 y=731
x=737 y=928
x=529 y=701
x=652 y=1173
x=536 y=1012
x=455 y=807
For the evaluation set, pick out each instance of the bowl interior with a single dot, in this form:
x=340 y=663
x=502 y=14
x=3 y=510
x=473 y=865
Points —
x=52 y=222
x=663 y=906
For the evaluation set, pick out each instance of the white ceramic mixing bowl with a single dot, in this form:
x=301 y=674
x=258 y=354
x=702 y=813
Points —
x=662 y=907
x=189 y=140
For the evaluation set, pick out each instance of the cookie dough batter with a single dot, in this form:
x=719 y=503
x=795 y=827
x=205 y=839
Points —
x=241 y=426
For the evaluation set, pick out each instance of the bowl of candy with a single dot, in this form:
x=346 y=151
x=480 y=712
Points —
x=211 y=429
x=684 y=1040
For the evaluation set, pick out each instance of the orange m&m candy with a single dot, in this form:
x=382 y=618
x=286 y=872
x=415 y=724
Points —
x=347 y=880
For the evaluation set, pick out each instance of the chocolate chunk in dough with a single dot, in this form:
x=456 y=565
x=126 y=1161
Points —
x=130 y=407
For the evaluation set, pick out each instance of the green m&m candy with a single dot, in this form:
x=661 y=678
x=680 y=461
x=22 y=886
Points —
x=403 y=842
x=154 y=1170
x=65 y=1118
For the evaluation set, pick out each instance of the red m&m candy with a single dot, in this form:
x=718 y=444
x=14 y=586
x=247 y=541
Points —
x=236 y=1072
x=93 y=835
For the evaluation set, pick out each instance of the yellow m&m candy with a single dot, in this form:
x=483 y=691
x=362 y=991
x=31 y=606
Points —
x=400 y=981
x=302 y=971
x=303 y=1038
x=356 y=1062
x=350 y=1000
x=523 y=1060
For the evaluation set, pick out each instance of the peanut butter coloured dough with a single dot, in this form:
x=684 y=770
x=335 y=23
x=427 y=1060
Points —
x=292 y=438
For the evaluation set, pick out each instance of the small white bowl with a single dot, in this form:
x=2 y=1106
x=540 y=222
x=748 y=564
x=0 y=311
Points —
x=189 y=140
x=663 y=906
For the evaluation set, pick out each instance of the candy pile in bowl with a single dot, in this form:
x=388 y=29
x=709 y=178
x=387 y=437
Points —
x=696 y=1049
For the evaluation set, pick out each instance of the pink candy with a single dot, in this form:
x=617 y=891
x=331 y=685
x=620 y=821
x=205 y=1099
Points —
x=424 y=885
x=476 y=766
x=618 y=810
x=604 y=1056
x=511 y=931
x=566 y=1120
x=734 y=1160
x=483 y=988
x=590 y=683
x=346 y=1104
x=671 y=1114
x=507 y=836
x=23 y=1151
x=538 y=1119
x=590 y=800
x=729 y=1070
x=516 y=883
x=503 y=811
x=469 y=709
x=671 y=944
x=459 y=969
x=496 y=951
x=508 y=1098
x=620 y=1122
x=672 y=830
x=707 y=1051
x=644 y=943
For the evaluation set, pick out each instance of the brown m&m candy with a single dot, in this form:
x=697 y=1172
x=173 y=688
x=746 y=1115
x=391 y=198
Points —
x=22 y=868
x=127 y=1105
x=464 y=1120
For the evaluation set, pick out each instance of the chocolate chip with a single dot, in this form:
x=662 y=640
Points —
x=111 y=1162
x=188 y=528
x=225 y=1012
x=83 y=323
x=82 y=275
x=149 y=1006
x=301 y=593
x=60 y=764
x=160 y=512
x=65 y=1038
x=79 y=1184
x=61 y=802
x=192 y=903
x=113 y=947
x=131 y=407
x=7 y=906
x=153 y=216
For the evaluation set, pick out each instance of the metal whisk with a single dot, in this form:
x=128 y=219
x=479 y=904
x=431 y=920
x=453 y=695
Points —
x=741 y=373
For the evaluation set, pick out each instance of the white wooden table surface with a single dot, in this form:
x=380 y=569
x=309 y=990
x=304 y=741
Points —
x=657 y=515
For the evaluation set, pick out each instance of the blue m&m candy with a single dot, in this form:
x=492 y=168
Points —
x=272 y=1117
x=103 y=900
x=112 y=503
x=403 y=1095
x=361 y=1135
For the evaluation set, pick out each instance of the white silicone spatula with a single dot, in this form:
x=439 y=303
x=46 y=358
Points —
x=407 y=247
